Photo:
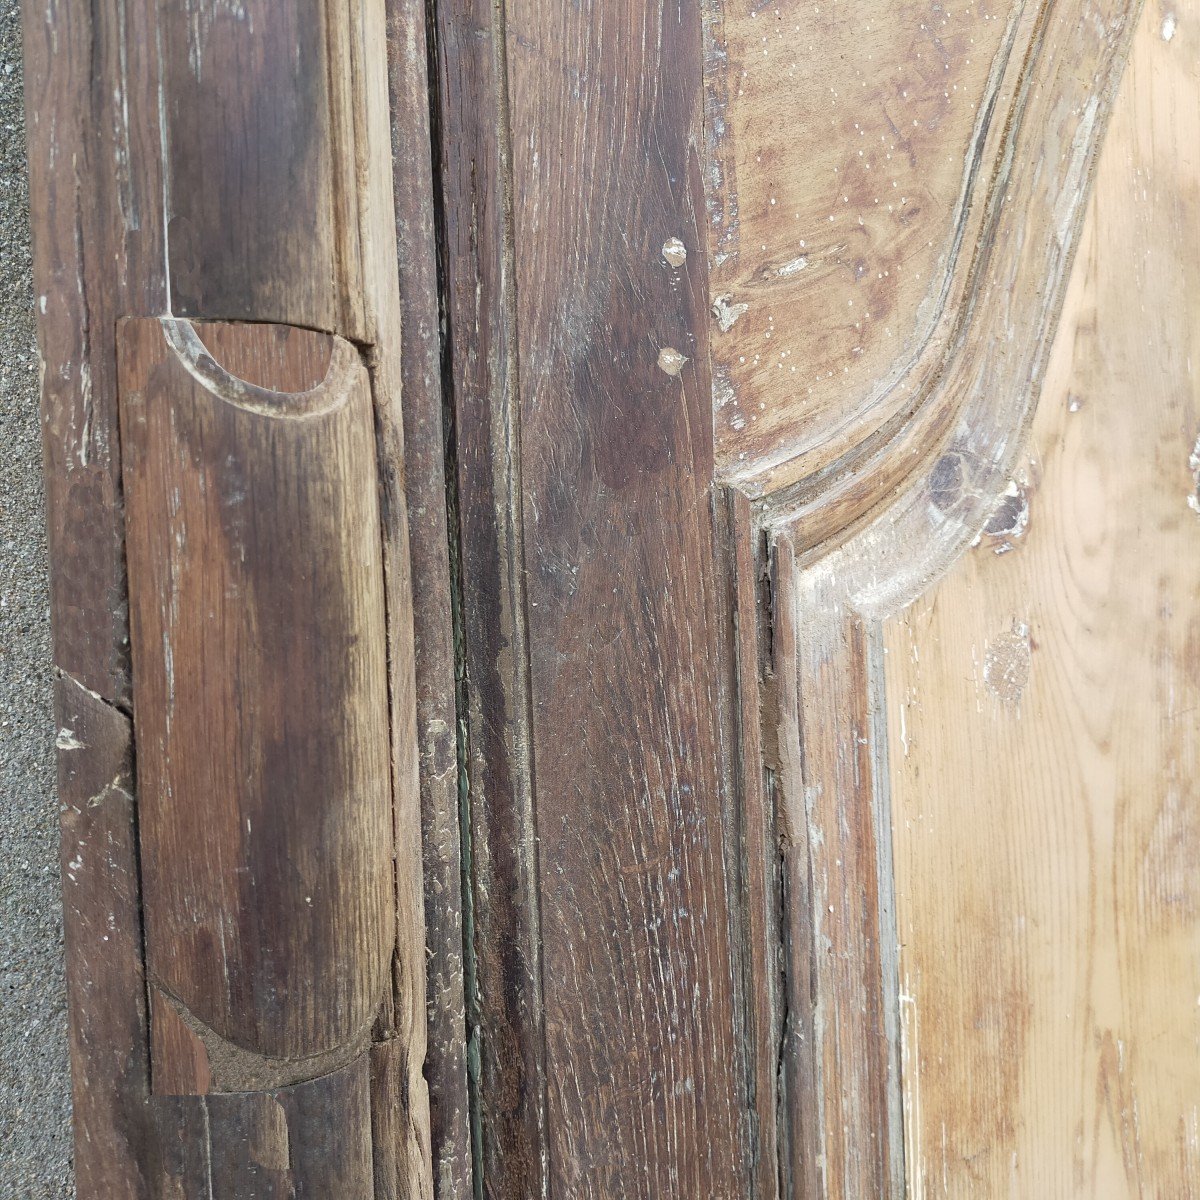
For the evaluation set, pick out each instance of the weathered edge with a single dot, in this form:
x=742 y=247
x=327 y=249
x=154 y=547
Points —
x=424 y=450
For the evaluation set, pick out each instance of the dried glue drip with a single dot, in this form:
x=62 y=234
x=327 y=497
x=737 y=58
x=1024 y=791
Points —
x=675 y=252
x=671 y=361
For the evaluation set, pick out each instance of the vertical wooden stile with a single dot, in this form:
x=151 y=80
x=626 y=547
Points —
x=599 y=659
x=424 y=487
x=213 y=211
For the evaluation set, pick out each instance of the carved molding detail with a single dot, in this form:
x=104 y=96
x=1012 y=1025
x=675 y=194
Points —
x=1007 y=244
x=862 y=490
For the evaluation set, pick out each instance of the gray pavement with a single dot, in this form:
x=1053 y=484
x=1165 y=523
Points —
x=35 y=1136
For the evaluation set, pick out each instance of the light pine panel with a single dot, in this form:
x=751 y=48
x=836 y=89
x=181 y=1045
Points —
x=1044 y=729
x=851 y=147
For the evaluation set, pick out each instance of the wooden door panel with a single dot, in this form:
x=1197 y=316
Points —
x=869 y=489
x=803 y=716
x=1044 y=744
x=852 y=149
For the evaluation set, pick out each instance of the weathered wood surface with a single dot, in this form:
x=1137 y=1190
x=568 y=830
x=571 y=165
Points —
x=1037 y=111
x=503 y=968
x=678 y=974
x=840 y=1053
x=629 y=654
x=116 y=95
x=851 y=147
x=1044 y=740
x=425 y=492
x=257 y=622
x=869 y=492
x=114 y=1130
x=599 y=659
x=760 y=868
x=261 y=195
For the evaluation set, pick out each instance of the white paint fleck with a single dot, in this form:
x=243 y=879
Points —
x=727 y=314
x=1194 y=467
x=1169 y=24
x=792 y=267
x=67 y=740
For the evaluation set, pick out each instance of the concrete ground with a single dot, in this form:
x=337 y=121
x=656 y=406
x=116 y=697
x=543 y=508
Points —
x=35 y=1105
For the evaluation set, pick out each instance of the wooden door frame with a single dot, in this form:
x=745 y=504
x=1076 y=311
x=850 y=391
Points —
x=646 y=945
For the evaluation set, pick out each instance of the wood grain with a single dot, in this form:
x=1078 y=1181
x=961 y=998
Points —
x=628 y=646
x=405 y=1019
x=95 y=189
x=233 y=161
x=867 y=533
x=114 y=1131
x=274 y=1145
x=841 y=1049
x=261 y=696
x=758 y=856
x=829 y=461
x=506 y=1043
x=849 y=147
x=1043 y=734
x=257 y=100
x=424 y=488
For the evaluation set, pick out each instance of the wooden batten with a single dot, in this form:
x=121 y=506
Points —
x=260 y=692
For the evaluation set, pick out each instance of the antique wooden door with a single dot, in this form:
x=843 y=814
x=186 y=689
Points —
x=626 y=586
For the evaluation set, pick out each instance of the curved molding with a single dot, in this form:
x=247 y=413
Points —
x=861 y=515
x=969 y=393
x=800 y=442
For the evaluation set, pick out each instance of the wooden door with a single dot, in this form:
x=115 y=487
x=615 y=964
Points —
x=705 y=496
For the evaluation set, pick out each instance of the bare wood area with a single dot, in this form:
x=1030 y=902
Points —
x=1043 y=735
x=882 y=318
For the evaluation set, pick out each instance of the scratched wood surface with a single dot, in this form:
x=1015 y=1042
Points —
x=230 y=161
x=868 y=489
x=257 y=622
x=626 y=612
x=1043 y=734
x=598 y=667
x=503 y=970
x=838 y=1056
